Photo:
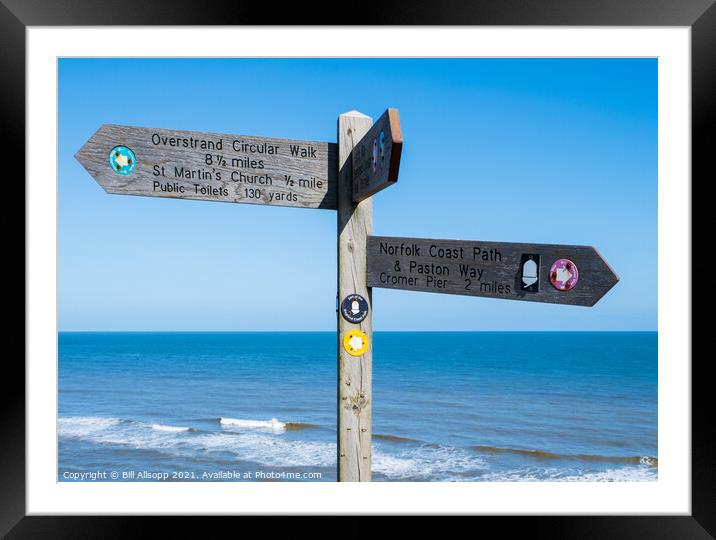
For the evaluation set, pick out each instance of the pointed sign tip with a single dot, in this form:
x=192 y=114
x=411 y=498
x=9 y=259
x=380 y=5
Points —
x=604 y=261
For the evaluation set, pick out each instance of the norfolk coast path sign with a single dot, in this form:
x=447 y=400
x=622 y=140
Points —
x=557 y=274
x=212 y=167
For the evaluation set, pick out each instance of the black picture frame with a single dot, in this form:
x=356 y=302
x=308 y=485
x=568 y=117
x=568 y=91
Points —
x=16 y=15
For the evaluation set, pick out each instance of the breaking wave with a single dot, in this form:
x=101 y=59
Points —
x=545 y=455
x=174 y=429
x=273 y=424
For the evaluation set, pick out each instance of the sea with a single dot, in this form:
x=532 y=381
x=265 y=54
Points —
x=447 y=406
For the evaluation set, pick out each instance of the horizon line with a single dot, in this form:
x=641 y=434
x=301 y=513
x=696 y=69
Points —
x=324 y=331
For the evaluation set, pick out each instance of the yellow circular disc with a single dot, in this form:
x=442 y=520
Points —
x=355 y=342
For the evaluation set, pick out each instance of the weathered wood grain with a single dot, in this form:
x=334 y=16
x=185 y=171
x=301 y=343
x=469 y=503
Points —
x=230 y=168
x=413 y=267
x=376 y=157
x=355 y=392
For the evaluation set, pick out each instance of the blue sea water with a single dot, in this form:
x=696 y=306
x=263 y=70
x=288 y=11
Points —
x=463 y=406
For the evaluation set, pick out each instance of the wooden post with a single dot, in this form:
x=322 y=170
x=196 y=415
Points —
x=355 y=392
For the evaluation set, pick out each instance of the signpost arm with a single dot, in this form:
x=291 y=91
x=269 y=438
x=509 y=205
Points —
x=355 y=395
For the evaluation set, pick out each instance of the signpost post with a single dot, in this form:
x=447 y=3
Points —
x=355 y=369
x=343 y=176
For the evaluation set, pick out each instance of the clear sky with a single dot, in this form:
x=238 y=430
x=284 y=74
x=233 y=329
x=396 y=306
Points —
x=536 y=150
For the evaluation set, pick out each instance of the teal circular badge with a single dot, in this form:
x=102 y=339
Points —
x=122 y=160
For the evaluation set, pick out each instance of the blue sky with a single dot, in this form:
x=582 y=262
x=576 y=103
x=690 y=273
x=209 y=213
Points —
x=515 y=150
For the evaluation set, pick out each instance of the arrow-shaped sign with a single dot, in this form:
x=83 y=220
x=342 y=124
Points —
x=212 y=166
x=550 y=273
x=376 y=157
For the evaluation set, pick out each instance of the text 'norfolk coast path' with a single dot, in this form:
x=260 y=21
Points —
x=212 y=167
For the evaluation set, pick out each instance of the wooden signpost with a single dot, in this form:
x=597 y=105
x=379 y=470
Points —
x=550 y=273
x=343 y=176
x=212 y=166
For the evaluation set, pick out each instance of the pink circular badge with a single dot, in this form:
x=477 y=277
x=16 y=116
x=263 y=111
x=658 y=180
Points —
x=563 y=275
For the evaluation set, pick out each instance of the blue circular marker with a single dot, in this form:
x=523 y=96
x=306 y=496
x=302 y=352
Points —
x=122 y=160
x=354 y=308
